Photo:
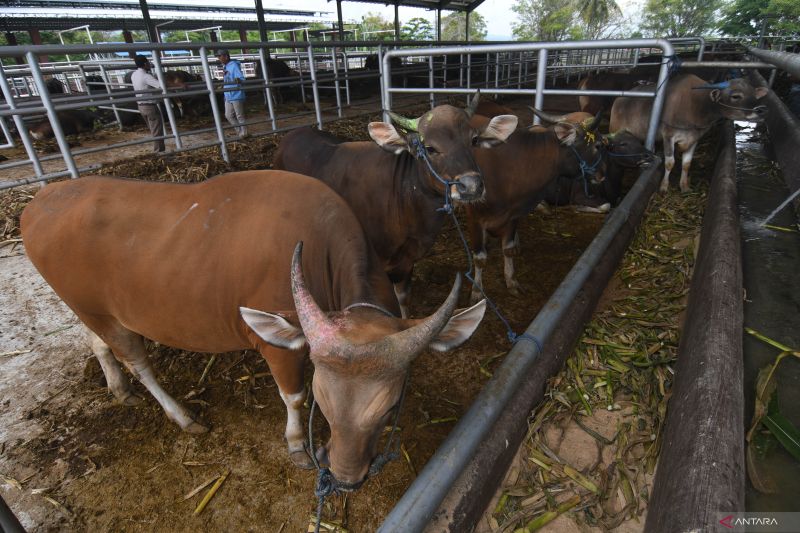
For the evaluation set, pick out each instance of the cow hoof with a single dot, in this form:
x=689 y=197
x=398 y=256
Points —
x=300 y=459
x=131 y=400
x=605 y=208
x=196 y=428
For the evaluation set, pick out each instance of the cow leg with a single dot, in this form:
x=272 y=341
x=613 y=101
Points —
x=510 y=249
x=116 y=379
x=686 y=162
x=669 y=162
x=287 y=370
x=128 y=348
x=479 y=255
x=402 y=290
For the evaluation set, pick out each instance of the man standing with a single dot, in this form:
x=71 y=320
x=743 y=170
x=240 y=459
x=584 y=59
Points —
x=234 y=99
x=148 y=107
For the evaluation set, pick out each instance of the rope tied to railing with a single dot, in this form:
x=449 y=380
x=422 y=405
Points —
x=421 y=153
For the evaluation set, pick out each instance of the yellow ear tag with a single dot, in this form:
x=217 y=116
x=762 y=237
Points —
x=590 y=137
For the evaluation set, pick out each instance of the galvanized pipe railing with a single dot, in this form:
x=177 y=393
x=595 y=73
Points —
x=415 y=509
x=785 y=60
x=543 y=49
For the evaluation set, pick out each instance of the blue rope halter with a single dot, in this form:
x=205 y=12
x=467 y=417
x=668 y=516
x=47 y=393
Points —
x=421 y=153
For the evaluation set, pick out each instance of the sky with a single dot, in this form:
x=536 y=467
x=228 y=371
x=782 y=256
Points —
x=497 y=13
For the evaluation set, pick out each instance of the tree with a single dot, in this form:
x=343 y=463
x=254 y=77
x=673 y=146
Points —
x=454 y=27
x=680 y=18
x=373 y=27
x=744 y=17
x=598 y=15
x=543 y=20
x=417 y=29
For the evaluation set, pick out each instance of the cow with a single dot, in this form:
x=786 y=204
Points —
x=491 y=109
x=279 y=71
x=691 y=108
x=620 y=150
x=516 y=174
x=73 y=121
x=610 y=81
x=391 y=184
x=206 y=267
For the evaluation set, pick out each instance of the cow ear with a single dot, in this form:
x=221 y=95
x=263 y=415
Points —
x=274 y=329
x=566 y=132
x=459 y=328
x=387 y=137
x=761 y=92
x=714 y=95
x=497 y=130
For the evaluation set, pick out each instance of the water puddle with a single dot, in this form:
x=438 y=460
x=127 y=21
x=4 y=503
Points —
x=771 y=268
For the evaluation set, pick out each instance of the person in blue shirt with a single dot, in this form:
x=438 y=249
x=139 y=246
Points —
x=234 y=99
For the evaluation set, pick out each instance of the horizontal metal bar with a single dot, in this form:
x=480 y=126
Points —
x=725 y=64
x=784 y=60
x=490 y=90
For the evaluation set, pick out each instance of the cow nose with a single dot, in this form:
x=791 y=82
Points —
x=469 y=186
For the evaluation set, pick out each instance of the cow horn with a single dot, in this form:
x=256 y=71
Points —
x=473 y=104
x=315 y=323
x=547 y=117
x=720 y=85
x=595 y=123
x=408 y=124
x=408 y=343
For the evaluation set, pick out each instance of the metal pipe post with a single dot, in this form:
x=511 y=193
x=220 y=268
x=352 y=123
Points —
x=61 y=139
x=658 y=102
x=262 y=56
x=20 y=124
x=107 y=84
x=430 y=81
x=541 y=74
x=785 y=60
x=167 y=101
x=314 y=87
x=336 y=85
x=214 y=105
x=341 y=22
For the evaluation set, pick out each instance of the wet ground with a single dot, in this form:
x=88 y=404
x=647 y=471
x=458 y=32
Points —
x=771 y=262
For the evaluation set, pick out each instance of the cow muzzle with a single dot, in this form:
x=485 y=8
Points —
x=759 y=113
x=467 y=188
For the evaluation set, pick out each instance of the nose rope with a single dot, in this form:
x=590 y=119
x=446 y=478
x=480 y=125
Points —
x=327 y=484
x=421 y=153
x=587 y=169
x=751 y=109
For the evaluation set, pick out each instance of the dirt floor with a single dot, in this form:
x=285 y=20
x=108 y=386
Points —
x=71 y=459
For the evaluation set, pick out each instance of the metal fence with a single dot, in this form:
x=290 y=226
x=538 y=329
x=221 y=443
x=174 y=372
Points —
x=331 y=68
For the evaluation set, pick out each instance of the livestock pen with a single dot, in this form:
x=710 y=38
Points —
x=73 y=459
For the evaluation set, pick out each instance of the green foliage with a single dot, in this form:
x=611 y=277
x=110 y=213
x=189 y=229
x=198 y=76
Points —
x=417 y=29
x=680 y=18
x=454 y=27
x=542 y=20
x=744 y=17
x=741 y=17
x=374 y=22
x=556 y=20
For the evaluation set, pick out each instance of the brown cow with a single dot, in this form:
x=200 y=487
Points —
x=391 y=191
x=196 y=266
x=516 y=174
x=691 y=108
x=73 y=121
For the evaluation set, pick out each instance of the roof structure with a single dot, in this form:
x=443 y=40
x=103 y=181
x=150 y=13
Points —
x=23 y=15
x=448 y=5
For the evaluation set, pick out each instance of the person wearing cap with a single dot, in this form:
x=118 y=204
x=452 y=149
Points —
x=148 y=107
x=234 y=99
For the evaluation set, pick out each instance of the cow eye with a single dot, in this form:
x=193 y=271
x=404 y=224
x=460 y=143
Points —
x=431 y=150
x=475 y=140
x=735 y=97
